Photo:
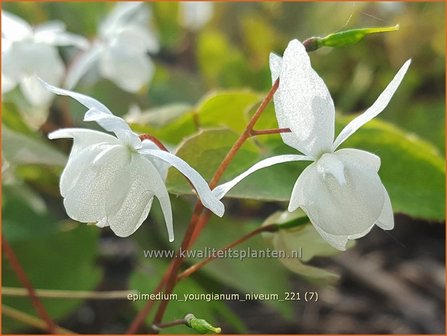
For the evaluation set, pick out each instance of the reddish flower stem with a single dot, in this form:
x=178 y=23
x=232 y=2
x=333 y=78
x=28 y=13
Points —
x=198 y=221
x=199 y=265
x=22 y=277
x=270 y=131
x=196 y=225
x=202 y=216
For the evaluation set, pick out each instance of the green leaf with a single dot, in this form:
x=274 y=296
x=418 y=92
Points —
x=24 y=214
x=64 y=261
x=204 y=152
x=226 y=108
x=301 y=241
x=20 y=149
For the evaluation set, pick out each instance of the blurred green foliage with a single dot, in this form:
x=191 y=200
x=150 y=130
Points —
x=207 y=84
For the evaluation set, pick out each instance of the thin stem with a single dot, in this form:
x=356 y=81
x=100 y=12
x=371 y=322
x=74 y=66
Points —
x=199 y=265
x=139 y=319
x=244 y=136
x=171 y=281
x=167 y=282
x=270 y=131
x=67 y=294
x=30 y=320
x=198 y=221
x=22 y=277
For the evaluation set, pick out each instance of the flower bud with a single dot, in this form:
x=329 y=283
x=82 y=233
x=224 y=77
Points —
x=200 y=325
x=352 y=36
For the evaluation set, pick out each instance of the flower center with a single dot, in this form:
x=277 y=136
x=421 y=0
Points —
x=330 y=166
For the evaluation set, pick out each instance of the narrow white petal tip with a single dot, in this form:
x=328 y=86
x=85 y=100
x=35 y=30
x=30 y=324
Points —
x=59 y=134
x=171 y=238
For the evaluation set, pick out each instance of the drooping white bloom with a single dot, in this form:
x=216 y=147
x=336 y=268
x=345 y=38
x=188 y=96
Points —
x=112 y=180
x=195 y=14
x=341 y=191
x=28 y=52
x=120 y=50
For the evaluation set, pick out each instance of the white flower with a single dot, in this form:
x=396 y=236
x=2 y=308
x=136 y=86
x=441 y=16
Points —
x=28 y=52
x=120 y=51
x=340 y=191
x=112 y=180
x=195 y=14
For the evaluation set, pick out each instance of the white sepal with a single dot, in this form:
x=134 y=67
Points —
x=379 y=105
x=303 y=103
x=203 y=191
x=221 y=190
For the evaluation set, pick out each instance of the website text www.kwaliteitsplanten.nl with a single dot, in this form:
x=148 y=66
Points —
x=240 y=254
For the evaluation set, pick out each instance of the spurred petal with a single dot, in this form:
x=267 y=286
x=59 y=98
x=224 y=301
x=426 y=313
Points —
x=82 y=138
x=206 y=196
x=339 y=242
x=102 y=115
x=114 y=124
x=365 y=159
x=303 y=103
x=87 y=101
x=339 y=207
x=221 y=190
x=130 y=199
x=14 y=28
x=81 y=65
x=386 y=219
x=88 y=178
x=378 y=106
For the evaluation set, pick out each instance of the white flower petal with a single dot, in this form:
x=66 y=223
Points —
x=120 y=15
x=195 y=14
x=221 y=190
x=88 y=178
x=386 y=219
x=34 y=92
x=54 y=33
x=129 y=69
x=81 y=65
x=130 y=198
x=303 y=104
x=363 y=158
x=341 y=209
x=275 y=62
x=87 y=101
x=55 y=36
x=114 y=124
x=14 y=28
x=339 y=242
x=49 y=27
x=7 y=83
x=82 y=138
x=379 y=105
x=162 y=166
x=206 y=196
